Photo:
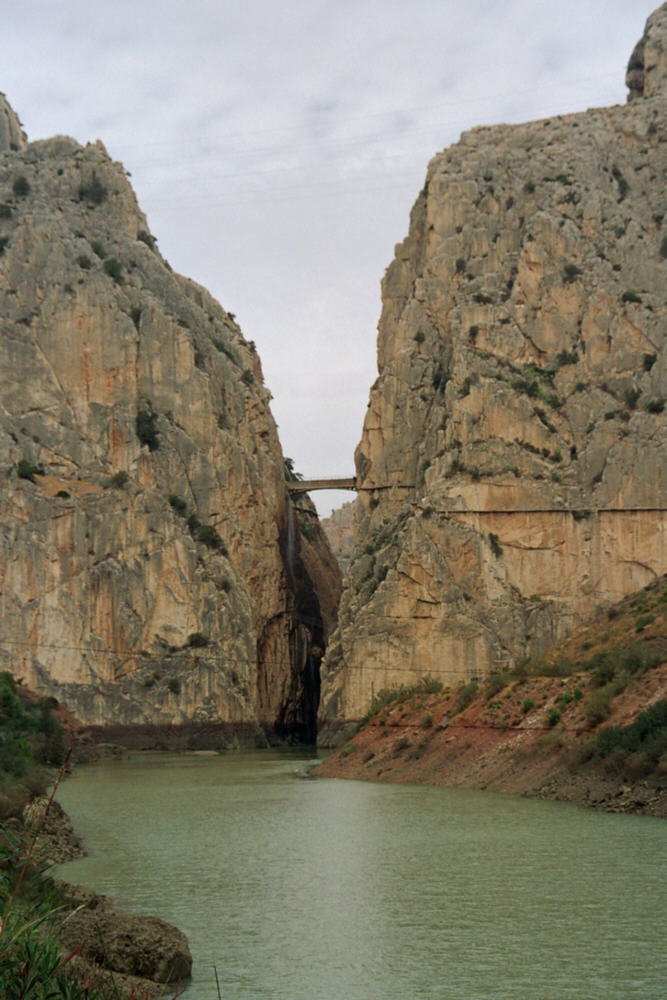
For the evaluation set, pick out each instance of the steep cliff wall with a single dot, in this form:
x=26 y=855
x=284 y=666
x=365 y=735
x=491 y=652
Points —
x=153 y=569
x=340 y=529
x=513 y=463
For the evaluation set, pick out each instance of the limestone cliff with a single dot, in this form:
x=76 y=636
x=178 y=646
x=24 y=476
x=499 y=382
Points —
x=153 y=568
x=513 y=463
x=339 y=528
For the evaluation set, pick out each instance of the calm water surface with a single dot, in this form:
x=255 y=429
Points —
x=335 y=890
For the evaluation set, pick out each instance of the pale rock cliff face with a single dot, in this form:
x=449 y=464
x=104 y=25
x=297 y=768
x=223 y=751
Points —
x=340 y=528
x=12 y=135
x=647 y=68
x=513 y=464
x=144 y=584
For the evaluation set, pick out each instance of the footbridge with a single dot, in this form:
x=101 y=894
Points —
x=307 y=485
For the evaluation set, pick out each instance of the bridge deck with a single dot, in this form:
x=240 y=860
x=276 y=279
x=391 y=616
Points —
x=306 y=485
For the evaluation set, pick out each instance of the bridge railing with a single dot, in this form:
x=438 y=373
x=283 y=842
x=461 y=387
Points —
x=306 y=485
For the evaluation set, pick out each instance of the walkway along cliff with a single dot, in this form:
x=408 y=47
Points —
x=156 y=575
x=512 y=471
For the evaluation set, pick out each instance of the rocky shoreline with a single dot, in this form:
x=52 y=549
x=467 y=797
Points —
x=144 y=956
x=489 y=762
x=531 y=736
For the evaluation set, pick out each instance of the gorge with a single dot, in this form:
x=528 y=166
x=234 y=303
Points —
x=162 y=574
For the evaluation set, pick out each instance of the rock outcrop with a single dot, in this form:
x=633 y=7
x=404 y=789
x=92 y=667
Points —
x=513 y=466
x=12 y=136
x=647 y=70
x=339 y=528
x=139 y=946
x=154 y=571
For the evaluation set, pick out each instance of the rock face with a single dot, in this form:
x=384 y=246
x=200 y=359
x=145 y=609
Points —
x=647 y=69
x=513 y=463
x=339 y=528
x=153 y=569
x=12 y=136
x=146 y=947
x=56 y=840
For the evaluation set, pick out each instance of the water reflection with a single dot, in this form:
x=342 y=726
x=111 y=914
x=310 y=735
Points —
x=334 y=890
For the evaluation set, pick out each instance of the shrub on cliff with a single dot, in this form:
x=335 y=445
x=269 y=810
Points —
x=21 y=187
x=28 y=470
x=93 y=191
x=113 y=267
x=644 y=740
x=31 y=739
x=146 y=426
x=388 y=696
x=466 y=694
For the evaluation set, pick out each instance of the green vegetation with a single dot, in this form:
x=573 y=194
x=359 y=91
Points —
x=495 y=683
x=206 y=534
x=247 y=377
x=392 y=695
x=655 y=405
x=630 y=296
x=98 y=248
x=31 y=739
x=4 y=240
x=94 y=192
x=496 y=547
x=598 y=705
x=146 y=238
x=638 y=747
x=466 y=694
x=643 y=621
x=32 y=963
x=570 y=273
x=5 y=211
x=623 y=186
x=553 y=718
x=113 y=267
x=631 y=397
x=178 y=504
x=28 y=470
x=197 y=640
x=84 y=262
x=119 y=479
x=174 y=685
x=21 y=187
x=135 y=315
x=146 y=427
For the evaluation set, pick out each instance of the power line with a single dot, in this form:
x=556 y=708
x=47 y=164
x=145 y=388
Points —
x=460 y=102
x=219 y=655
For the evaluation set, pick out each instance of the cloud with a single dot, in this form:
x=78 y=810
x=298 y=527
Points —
x=278 y=148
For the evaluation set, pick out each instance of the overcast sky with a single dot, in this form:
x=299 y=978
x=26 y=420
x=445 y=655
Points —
x=277 y=148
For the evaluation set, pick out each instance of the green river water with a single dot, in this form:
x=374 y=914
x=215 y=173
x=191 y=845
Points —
x=315 y=889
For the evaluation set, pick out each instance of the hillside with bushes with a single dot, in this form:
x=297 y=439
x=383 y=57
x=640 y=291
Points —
x=586 y=723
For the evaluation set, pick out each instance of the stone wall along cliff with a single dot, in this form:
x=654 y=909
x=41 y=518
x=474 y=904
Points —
x=513 y=463
x=153 y=569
